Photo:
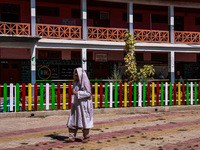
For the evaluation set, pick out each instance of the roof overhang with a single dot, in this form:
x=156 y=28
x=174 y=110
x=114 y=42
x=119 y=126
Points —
x=176 y=3
x=19 y=38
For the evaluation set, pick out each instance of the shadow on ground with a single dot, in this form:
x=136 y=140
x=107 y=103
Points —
x=61 y=138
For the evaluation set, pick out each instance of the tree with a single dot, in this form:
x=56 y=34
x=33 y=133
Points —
x=132 y=73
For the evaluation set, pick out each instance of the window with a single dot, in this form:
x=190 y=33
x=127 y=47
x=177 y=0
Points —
x=76 y=13
x=104 y=15
x=159 y=57
x=197 y=21
x=159 y=18
x=76 y=55
x=49 y=54
x=139 y=56
x=9 y=12
x=5 y=66
x=14 y=66
x=47 y=11
x=136 y=17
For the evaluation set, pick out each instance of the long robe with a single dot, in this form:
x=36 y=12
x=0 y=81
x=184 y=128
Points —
x=81 y=116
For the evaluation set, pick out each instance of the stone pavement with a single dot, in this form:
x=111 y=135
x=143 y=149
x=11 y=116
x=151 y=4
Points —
x=167 y=130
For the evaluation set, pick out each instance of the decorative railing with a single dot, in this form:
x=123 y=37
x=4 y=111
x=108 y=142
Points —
x=58 y=31
x=186 y=37
x=14 y=28
x=154 y=36
x=99 y=33
x=59 y=96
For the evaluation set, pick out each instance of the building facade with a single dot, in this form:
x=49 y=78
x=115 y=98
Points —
x=43 y=41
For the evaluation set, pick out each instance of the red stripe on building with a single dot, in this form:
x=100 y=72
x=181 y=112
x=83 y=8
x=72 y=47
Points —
x=70 y=95
x=174 y=93
x=35 y=96
x=23 y=96
x=183 y=94
x=148 y=97
x=157 y=92
x=130 y=94
x=120 y=95
x=58 y=95
x=101 y=95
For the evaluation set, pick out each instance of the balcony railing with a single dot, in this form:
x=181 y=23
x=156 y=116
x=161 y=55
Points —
x=14 y=28
x=58 y=31
x=186 y=37
x=154 y=36
x=98 y=33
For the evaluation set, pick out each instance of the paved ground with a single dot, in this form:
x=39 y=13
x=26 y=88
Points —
x=174 y=130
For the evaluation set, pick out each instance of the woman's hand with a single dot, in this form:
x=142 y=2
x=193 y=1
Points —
x=75 y=92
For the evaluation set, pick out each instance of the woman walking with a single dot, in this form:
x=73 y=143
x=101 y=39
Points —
x=81 y=115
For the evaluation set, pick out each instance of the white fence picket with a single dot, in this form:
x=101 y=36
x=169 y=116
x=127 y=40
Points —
x=11 y=96
x=47 y=96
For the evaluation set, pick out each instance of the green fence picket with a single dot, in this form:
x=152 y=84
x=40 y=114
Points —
x=170 y=94
x=5 y=97
x=41 y=96
x=106 y=95
x=53 y=96
x=144 y=93
x=135 y=94
x=195 y=93
x=116 y=94
x=187 y=94
x=17 y=97
x=162 y=95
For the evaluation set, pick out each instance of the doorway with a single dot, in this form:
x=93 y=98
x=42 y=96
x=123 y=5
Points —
x=100 y=70
x=10 y=72
x=179 y=23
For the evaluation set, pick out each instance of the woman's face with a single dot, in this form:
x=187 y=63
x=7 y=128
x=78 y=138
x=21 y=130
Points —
x=76 y=75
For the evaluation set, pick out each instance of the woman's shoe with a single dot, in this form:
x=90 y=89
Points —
x=85 y=140
x=69 y=140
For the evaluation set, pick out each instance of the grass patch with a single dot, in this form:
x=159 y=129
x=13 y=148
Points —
x=131 y=142
x=99 y=142
x=24 y=143
x=132 y=135
x=182 y=130
x=172 y=122
x=96 y=129
x=160 y=119
x=108 y=141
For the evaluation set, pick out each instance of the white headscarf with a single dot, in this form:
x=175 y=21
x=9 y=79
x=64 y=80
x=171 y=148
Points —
x=83 y=80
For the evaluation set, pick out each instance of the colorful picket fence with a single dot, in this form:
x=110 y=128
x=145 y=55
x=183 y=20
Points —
x=58 y=96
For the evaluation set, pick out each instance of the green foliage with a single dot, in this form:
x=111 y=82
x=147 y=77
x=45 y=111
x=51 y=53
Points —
x=132 y=73
x=115 y=75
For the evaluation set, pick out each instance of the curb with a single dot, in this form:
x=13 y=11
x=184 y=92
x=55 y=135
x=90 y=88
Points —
x=124 y=110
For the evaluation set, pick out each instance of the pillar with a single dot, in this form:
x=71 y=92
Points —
x=171 y=66
x=33 y=64
x=130 y=17
x=171 y=23
x=84 y=18
x=33 y=18
x=84 y=59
